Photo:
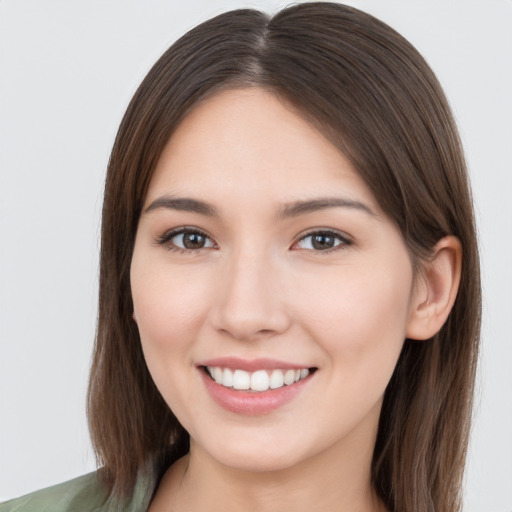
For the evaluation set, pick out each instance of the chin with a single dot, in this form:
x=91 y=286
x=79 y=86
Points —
x=258 y=462
x=258 y=455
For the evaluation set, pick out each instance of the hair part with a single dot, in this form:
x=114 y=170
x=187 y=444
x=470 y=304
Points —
x=375 y=98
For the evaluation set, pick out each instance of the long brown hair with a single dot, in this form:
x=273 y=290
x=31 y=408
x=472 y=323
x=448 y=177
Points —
x=373 y=95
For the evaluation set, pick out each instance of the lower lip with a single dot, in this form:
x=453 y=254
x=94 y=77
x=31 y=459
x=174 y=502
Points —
x=252 y=403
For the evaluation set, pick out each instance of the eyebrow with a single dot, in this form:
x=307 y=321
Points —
x=183 y=204
x=297 y=208
x=289 y=210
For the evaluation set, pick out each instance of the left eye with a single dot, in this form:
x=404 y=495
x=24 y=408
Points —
x=322 y=241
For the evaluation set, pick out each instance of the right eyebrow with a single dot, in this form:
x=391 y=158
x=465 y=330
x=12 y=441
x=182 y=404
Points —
x=183 y=204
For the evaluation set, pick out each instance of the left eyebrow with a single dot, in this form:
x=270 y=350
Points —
x=297 y=208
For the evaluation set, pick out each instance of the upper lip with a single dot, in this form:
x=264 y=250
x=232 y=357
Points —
x=251 y=365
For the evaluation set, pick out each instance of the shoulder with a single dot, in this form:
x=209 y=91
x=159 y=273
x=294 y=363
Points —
x=84 y=494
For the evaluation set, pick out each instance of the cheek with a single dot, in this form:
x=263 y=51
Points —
x=359 y=316
x=170 y=305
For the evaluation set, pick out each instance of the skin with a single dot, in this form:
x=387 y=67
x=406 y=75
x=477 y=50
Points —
x=258 y=288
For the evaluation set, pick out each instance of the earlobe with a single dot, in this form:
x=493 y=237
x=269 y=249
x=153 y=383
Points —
x=134 y=317
x=435 y=294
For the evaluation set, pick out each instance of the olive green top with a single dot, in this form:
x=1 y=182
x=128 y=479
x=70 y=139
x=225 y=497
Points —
x=82 y=494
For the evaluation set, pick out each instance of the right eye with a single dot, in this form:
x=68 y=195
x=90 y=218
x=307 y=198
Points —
x=186 y=240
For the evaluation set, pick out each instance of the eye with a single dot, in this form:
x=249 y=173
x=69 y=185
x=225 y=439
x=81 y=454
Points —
x=185 y=239
x=323 y=241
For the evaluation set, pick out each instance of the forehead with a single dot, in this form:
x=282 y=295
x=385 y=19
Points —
x=245 y=142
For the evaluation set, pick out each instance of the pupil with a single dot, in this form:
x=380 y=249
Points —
x=323 y=241
x=193 y=241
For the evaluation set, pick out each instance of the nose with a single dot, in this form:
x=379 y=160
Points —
x=251 y=302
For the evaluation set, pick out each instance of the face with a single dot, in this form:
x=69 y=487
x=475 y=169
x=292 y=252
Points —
x=271 y=293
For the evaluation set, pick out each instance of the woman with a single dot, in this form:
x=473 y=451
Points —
x=289 y=286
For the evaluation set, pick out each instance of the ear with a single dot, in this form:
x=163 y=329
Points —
x=436 y=290
x=134 y=317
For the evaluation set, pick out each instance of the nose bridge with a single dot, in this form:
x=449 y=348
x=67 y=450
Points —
x=251 y=303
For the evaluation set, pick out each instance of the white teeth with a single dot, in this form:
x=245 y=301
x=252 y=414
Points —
x=276 y=379
x=289 y=377
x=260 y=380
x=228 y=378
x=241 y=379
x=217 y=375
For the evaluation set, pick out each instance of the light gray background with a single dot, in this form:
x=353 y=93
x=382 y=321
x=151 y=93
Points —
x=67 y=72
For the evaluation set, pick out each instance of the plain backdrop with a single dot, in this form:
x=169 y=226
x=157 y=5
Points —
x=67 y=71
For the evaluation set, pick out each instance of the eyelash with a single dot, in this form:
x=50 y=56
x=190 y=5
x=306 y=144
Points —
x=165 y=239
x=345 y=240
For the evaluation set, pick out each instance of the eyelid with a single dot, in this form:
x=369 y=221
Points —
x=346 y=240
x=167 y=236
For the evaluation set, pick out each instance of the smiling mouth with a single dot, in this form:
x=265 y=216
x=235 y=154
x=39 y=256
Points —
x=258 y=381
